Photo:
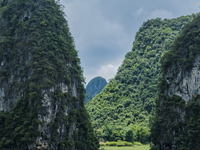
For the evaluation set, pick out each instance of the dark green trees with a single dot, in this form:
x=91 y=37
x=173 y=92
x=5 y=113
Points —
x=129 y=98
x=41 y=90
x=177 y=119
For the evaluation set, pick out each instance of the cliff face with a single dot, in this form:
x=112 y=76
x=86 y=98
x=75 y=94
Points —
x=186 y=84
x=176 y=123
x=41 y=90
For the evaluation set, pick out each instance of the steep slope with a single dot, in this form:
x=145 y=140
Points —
x=129 y=98
x=41 y=90
x=94 y=87
x=177 y=120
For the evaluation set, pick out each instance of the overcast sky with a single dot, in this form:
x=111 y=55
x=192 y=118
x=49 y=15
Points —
x=104 y=30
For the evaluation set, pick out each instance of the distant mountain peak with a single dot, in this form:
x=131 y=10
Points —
x=94 y=87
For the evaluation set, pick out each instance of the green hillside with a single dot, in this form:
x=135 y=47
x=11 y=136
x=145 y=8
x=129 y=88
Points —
x=123 y=109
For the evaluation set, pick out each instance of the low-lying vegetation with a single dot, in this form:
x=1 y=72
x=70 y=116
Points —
x=135 y=147
x=120 y=143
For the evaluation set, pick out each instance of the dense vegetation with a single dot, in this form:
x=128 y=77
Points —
x=38 y=57
x=123 y=109
x=94 y=87
x=176 y=123
x=143 y=147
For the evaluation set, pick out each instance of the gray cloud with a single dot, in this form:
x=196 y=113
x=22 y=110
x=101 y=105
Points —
x=161 y=13
x=104 y=30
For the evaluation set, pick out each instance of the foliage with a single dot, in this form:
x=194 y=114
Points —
x=119 y=143
x=176 y=122
x=38 y=56
x=129 y=136
x=142 y=147
x=129 y=98
x=137 y=143
x=184 y=49
x=192 y=124
x=171 y=123
x=111 y=143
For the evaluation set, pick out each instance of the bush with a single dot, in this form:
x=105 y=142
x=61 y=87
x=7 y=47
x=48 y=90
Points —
x=128 y=144
x=129 y=136
x=119 y=143
x=137 y=143
x=155 y=147
x=102 y=143
x=124 y=143
x=111 y=143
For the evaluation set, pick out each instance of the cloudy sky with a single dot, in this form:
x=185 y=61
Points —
x=104 y=30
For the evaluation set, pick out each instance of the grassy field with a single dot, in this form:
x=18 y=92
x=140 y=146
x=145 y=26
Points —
x=143 y=147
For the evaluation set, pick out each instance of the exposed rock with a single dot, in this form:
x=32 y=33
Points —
x=176 y=123
x=41 y=90
x=185 y=84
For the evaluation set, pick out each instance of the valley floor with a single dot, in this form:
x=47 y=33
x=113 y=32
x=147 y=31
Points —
x=143 y=147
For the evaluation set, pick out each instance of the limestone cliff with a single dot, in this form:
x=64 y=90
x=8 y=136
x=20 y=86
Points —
x=186 y=84
x=177 y=118
x=41 y=90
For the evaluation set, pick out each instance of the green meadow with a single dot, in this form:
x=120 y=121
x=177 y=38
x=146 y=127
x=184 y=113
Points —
x=143 y=147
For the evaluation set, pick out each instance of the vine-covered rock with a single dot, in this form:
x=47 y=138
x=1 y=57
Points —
x=177 y=119
x=41 y=90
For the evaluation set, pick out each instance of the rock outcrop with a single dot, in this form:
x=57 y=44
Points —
x=186 y=84
x=41 y=82
x=176 y=123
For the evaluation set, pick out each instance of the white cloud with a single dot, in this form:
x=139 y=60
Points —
x=97 y=37
x=139 y=12
x=160 y=13
x=107 y=71
x=103 y=30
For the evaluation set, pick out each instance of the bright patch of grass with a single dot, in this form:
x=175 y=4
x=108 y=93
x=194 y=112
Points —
x=142 y=147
